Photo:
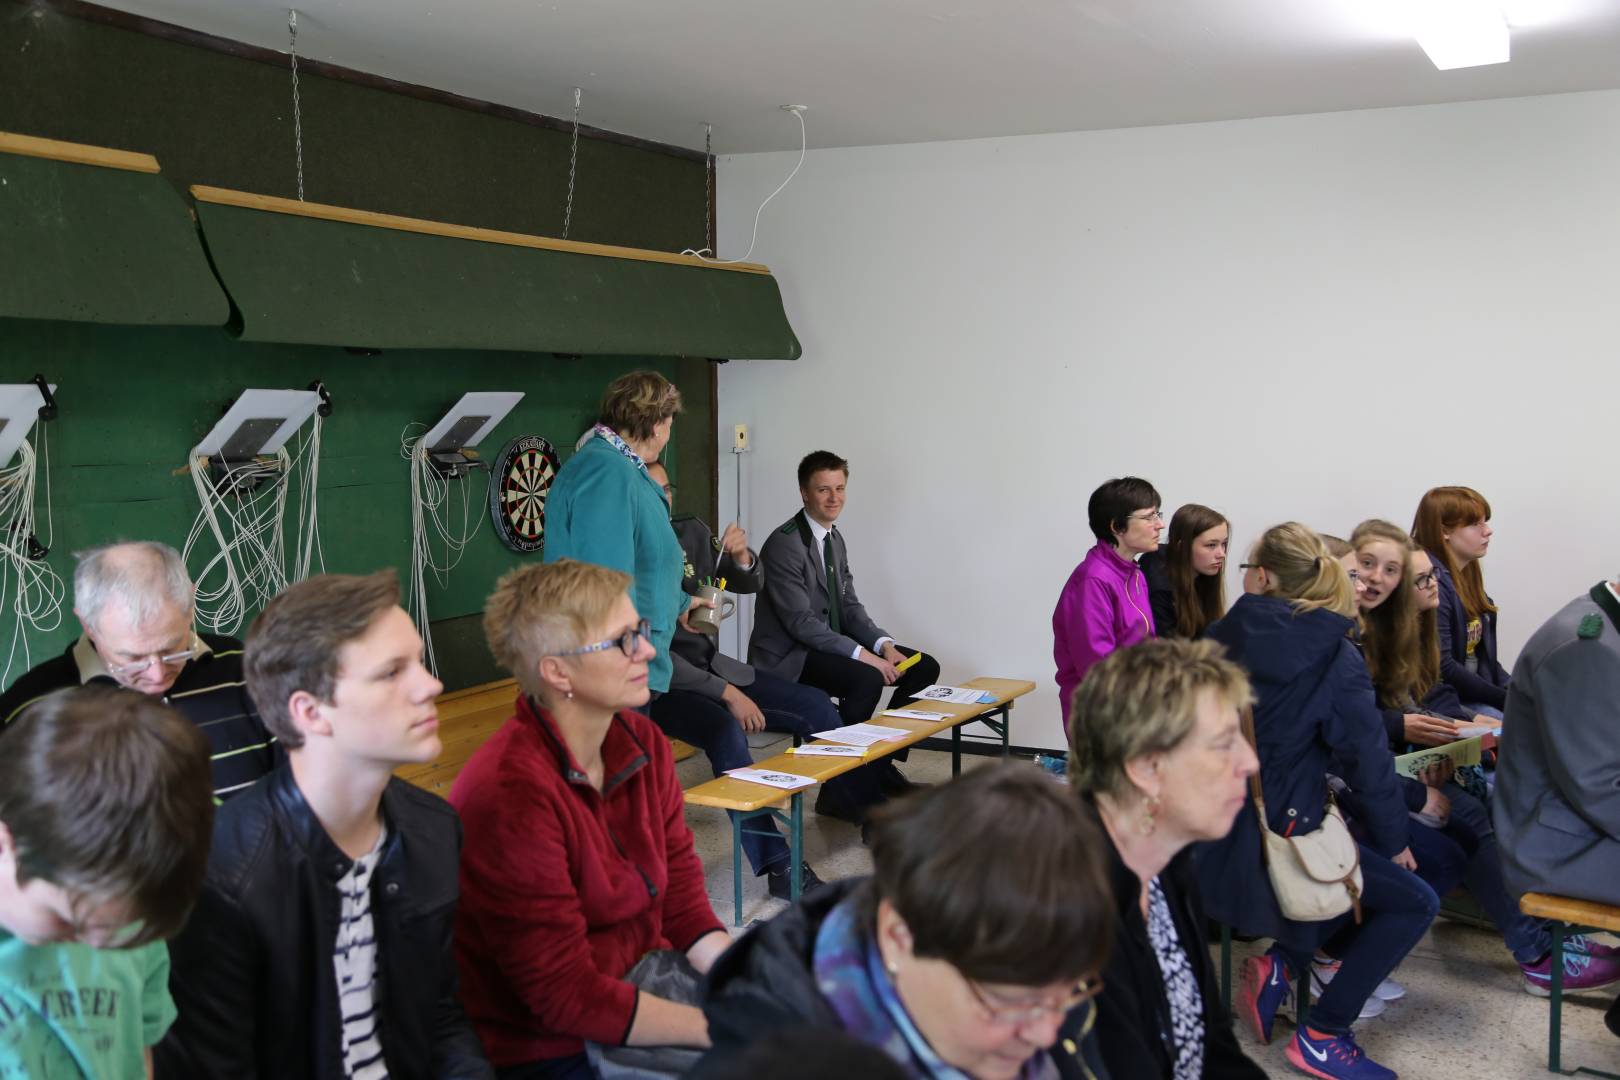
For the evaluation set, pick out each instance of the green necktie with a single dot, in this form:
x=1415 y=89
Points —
x=833 y=605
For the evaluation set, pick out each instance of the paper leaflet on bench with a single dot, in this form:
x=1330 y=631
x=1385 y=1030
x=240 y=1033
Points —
x=955 y=695
x=817 y=750
x=863 y=734
x=772 y=778
x=919 y=714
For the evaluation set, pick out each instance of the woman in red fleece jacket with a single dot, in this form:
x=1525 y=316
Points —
x=578 y=860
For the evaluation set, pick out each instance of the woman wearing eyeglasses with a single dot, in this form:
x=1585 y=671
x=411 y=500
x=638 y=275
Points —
x=975 y=946
x=1314 y=713
x=1453 y=839
x=578 y=862
x=1105 y=604
x=1158 y=756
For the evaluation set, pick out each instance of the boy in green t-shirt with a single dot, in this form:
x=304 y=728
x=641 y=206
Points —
x=106 y=810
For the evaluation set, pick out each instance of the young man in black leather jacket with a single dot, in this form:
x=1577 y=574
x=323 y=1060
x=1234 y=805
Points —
x=321 y=945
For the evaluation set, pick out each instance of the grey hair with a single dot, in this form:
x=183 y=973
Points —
x=142 y=575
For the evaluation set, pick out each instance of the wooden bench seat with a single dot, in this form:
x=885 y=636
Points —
x=466 y=719
x=1568 y=916
x=748 y=799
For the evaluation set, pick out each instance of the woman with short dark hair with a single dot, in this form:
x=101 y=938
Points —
x=1105 y=605
x=974 y=947
x=1159 y=759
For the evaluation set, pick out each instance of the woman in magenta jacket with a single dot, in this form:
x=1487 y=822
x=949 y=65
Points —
x=1104 y=605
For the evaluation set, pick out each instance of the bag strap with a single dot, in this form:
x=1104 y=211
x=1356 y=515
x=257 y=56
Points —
x=1254 y=777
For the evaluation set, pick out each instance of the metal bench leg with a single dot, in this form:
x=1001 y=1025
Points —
x=956 y=750
x=1302 y=992
x=736 y=868
x=1226 y=969
x=1006 y=729
x=796 y=845
x=1554 y=1013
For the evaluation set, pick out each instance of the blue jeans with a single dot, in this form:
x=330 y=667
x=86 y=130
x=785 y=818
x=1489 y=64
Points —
x=708 y=725
x=1528 y=939
x=1396 y=908
x=792 y=707
x=572 y=1067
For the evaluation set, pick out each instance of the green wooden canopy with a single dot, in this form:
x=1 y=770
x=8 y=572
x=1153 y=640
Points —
x=96 y=235
x=312 y=274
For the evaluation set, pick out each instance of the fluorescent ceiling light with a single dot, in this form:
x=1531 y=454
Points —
x=1460 y=33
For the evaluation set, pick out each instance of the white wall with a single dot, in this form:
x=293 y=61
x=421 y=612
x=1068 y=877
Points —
x=1313 y=317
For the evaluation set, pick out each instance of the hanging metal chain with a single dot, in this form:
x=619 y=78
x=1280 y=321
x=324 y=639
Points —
x=708 y=188
x=298 y=117
x=573 y=162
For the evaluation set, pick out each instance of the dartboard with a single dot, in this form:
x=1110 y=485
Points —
x=518 y=482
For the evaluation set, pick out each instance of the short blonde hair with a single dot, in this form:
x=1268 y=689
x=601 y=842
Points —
x=636 y=403
x=538 y=611
x=1308 y=575
x=1144 y=700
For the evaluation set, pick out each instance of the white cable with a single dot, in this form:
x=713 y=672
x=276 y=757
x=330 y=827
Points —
x=244 y=515
x=310 y=557
x=798 y=114
x=430 y=498
x=33 y=590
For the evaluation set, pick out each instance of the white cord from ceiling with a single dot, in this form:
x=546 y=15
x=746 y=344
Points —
x=430 y=503
x=33 y=591
x=708 y=256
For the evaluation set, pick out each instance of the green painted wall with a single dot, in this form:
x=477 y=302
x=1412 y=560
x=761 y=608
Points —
x=135 y=399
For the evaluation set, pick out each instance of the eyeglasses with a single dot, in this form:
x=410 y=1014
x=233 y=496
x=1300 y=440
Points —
x=1151 y=515
x=1250 y=566
x=1084 y=990
x=1423 y=581
x=628 y=642
x=1353 y=575
x=135 y=667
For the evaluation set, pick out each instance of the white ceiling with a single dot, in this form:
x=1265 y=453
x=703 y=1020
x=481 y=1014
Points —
x=890 y=71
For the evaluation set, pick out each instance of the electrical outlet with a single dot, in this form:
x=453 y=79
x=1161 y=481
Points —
x=739 y=437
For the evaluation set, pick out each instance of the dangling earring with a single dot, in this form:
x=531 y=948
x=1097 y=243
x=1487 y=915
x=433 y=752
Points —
x=569 y=694
x=1150 y=816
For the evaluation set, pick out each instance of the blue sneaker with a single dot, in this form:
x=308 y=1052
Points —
x=1334 y=1058
x=1267 y=986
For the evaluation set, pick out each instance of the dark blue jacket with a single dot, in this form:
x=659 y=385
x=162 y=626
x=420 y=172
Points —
x=1314 y=712
x=1487 y=686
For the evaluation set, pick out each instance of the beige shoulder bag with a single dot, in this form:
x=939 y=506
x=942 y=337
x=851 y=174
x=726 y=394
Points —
x=1317 y=876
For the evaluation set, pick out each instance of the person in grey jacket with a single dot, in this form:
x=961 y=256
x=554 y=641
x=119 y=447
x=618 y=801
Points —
x=715 y=701
x=1557 y=799
x=811 y=627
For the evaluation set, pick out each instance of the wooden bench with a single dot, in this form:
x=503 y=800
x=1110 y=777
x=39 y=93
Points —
x=1568 y=916
x=466 y=719
x=750 y=800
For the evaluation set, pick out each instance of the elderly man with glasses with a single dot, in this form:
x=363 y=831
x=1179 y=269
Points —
x=135 y=604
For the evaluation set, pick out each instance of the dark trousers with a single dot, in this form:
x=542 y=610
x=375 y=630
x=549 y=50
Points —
x=708 y=725
x=1396 y=909
x=1527 y=938
x=572 y=1067
x=858 y=686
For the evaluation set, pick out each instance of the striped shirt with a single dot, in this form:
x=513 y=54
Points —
x=354 y=961
x=210 y=692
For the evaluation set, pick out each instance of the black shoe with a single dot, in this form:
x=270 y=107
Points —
x=866 y=834
x=838 y=809
x=1612 y=1017
x=893 y=783
x=779 y=882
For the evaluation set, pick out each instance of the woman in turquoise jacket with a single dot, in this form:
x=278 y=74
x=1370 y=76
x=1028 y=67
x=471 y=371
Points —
x=605 y=509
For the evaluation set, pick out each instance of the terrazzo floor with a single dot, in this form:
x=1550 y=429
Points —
x=1464 y=1014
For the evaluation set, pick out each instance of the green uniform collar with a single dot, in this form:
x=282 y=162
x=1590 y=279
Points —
x=1605 y=599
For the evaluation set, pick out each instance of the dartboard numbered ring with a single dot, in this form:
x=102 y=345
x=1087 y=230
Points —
x=518 y=484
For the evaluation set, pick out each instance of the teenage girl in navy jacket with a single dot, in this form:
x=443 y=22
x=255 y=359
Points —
x=1453 y=525
x=1314 y=712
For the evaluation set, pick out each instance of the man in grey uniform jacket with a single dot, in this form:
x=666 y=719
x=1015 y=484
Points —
x=1557 y=799
x=810 y=626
